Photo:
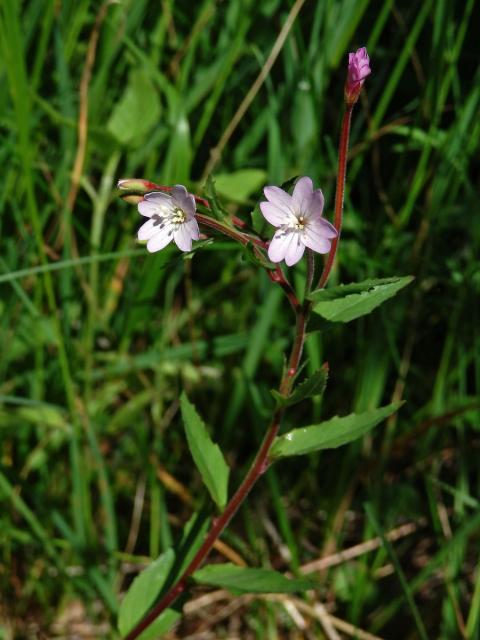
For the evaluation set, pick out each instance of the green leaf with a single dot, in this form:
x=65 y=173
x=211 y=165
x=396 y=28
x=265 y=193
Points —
x=258 y=221
x=216 y=209
x=245 y=580
x=143 y=592
x=309 y=388
x=239 y=185
x=206 y=455
x=137 y=112
x=330 y=434
x=350 y=301
x=255 y=256
x=161 y=625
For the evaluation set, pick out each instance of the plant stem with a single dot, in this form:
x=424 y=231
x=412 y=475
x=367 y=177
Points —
x=297 y=350
x=310 y=272
x=239 y=236
x=339 y=194
x=259 y=466
x=276 y=275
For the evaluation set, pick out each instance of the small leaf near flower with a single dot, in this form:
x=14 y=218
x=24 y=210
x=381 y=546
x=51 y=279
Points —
x=309 y=388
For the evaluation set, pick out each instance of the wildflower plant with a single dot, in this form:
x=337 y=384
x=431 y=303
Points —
x=301 y=231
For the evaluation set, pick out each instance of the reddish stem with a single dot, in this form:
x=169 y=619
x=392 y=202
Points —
x=259 y=466
x=219 y=525
x=243 y=238
x=276 y=275
x=339 y=194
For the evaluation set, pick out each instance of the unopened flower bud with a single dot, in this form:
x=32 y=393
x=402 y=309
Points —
x=131 y=198
x=358 y=70
x=136 y=185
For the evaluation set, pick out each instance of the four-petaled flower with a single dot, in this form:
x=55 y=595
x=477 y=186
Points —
x=358 y=70
x=299 y=222
x=171 y=217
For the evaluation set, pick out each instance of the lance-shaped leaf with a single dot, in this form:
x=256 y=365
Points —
x=142 y=594
x=216 y=209
x=330 y=434
x=350 y=301
x=309 y=388
x=245 y=580
x=206 y=454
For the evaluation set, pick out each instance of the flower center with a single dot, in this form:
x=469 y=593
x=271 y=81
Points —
x=299 y=223
x=174 y=217
x=178 y=216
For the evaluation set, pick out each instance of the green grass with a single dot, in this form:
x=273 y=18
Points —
x=98 y=338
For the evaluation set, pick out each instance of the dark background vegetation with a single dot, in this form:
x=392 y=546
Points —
x=98 y=338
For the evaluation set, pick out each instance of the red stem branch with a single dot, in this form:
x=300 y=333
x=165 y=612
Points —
x=276 y=275
x=239 y=236
x=259 y=466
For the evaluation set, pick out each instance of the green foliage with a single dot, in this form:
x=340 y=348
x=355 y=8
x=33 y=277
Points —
x=98 y=338
x=142 y=595
x=240 y=580
x=216 y=209
x=330 y=434
x=206 y=455
x=350 y=301
x=312 y=387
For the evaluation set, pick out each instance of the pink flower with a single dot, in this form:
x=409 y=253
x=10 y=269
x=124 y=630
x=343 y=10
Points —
x=358 y=70
x=299 y=222
x=170 y=217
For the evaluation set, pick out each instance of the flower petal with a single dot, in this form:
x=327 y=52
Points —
x=278 y=245
x=190 y=206
x=302 y=194
x=314 y=238
x=315 y=206
x=295 y=249
x=160 y=239
x=155 y=202
x=280 y=198
x=182 y=238
x=147 y=209
x=184 y=200
x=193 y=230
x=328 y=230
x=159 y=198
x=273 y=213
x=148 y=230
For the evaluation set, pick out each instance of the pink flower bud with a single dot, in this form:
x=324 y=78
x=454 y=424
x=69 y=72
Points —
x=358 y=70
